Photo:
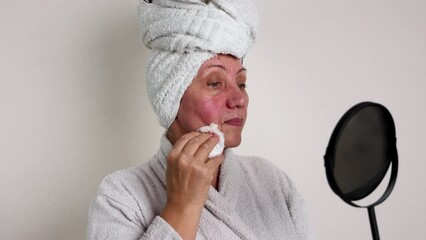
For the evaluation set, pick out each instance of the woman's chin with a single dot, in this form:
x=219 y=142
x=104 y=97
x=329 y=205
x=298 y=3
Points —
x=232 y=136
x=232 y=142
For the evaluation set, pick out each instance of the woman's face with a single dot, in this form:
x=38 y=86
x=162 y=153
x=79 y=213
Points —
x=216 y=95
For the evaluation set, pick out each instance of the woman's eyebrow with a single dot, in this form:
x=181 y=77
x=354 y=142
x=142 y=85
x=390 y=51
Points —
x=223 y=68
x=218 y=66
x=241 y=70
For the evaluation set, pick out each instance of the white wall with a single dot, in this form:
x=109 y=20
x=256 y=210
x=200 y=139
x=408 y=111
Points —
x=73 y=106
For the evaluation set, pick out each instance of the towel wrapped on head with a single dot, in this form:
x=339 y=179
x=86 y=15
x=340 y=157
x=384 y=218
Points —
x=183 y=34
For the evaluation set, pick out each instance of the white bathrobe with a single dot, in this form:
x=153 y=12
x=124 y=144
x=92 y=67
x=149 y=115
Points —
x=255 y=200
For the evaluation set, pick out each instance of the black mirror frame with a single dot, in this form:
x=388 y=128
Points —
x=330 y=152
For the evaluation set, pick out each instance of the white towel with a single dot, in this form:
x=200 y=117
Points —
x=183 y=34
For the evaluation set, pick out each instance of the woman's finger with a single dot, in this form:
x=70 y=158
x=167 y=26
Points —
x=193 y=145
x=182 y=141
x=205 y=148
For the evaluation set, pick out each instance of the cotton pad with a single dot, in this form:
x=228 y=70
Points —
x=218 y=149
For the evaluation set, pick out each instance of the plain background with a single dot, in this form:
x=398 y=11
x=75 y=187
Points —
x=73 y=106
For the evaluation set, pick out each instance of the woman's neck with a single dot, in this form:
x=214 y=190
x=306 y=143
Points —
x=215 y=181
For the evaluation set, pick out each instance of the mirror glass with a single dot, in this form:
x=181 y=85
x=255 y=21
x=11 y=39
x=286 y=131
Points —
x=361 y=153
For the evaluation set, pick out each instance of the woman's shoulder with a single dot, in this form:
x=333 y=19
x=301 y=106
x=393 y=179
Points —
x=140 y=188
x=132 y=177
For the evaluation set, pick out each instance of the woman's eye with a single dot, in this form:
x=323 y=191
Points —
x=242 y=86
x=214 y=84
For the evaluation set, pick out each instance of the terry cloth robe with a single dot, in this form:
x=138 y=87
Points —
x=255 y=201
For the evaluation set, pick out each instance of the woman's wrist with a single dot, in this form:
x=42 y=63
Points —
x=184 y=219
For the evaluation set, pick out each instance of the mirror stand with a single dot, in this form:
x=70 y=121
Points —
x=373 y=223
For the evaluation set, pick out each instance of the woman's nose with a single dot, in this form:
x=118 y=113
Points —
x=237 y=98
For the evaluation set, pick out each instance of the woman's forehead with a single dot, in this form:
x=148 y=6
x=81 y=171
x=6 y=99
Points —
x=227 y=63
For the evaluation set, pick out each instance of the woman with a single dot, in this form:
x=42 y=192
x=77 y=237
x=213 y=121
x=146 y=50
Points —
x=181 y=193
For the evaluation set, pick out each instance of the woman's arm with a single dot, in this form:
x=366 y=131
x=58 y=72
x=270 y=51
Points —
x=189 y=175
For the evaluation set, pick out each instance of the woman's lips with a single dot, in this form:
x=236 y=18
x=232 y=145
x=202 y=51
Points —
x=238 y=122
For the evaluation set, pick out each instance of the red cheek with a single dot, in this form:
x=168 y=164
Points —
x=211 y=110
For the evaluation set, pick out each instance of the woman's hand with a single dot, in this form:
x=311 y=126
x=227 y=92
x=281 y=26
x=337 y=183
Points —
x=189 y=175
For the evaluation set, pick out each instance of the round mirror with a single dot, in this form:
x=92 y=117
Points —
x=361 y=150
